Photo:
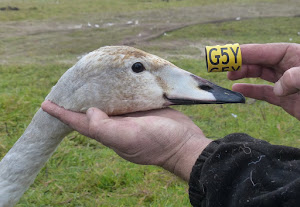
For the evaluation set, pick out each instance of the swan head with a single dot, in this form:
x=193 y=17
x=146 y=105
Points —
x=122 y=79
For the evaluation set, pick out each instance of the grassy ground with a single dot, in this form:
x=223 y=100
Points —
x=83 y=172
x=68 y=9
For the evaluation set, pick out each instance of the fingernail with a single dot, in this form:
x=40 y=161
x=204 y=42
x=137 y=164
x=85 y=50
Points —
x=235 y=86
x=89 y=112
x=278 y=90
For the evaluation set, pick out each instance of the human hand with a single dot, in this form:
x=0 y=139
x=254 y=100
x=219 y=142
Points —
x=278 y=63
x=163 y=137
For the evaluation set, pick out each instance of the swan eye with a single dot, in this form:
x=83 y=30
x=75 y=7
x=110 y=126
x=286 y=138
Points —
x=138 y=67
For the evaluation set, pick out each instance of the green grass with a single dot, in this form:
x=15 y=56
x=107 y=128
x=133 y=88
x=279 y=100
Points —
x=82 y=172
x=78 y=9
x=36 y=9
x=261 y=30
x=256 y=30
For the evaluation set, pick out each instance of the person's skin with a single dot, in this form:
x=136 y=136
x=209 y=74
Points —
x=163 y=137
x=168 y=138
x=277 y=63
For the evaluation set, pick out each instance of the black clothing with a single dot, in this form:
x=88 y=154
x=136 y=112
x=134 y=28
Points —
x=239 y=170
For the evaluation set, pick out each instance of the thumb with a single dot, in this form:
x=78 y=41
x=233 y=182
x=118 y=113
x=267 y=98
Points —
x=289 y=83
x=97 y=120
x=110 y=131
x=96 y=115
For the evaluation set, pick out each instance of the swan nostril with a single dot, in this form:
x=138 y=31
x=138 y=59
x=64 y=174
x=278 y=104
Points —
x=205 y=87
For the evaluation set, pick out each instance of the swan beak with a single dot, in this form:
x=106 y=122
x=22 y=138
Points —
x=196 y=90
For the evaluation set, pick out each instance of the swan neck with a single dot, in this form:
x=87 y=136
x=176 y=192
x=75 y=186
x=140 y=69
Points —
x=22 y=163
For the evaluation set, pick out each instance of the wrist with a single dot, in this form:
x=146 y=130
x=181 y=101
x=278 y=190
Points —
x=182 y=162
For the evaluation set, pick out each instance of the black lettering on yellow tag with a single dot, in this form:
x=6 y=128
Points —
x=224 y=53
x=235 y=53
x=215 y=57
x=223 y=58
x=233 y=69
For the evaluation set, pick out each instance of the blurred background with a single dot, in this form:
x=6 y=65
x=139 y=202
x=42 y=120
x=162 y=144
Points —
x=41 y=39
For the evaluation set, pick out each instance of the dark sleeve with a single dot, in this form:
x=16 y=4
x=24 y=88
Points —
x=239 y=170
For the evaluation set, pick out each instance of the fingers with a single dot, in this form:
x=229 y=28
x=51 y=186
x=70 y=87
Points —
x=263 y=54
x=260 y=61
x=164 y=112
x=101 y=126
x=95 y=123
x=168 y=113
x=260 y=92
x=119 y=133
x=289 y=103
x=254 y=71
x=289 y=83
x=77 y=121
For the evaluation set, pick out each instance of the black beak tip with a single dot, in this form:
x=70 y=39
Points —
x=240 y=98
x=229 y=97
